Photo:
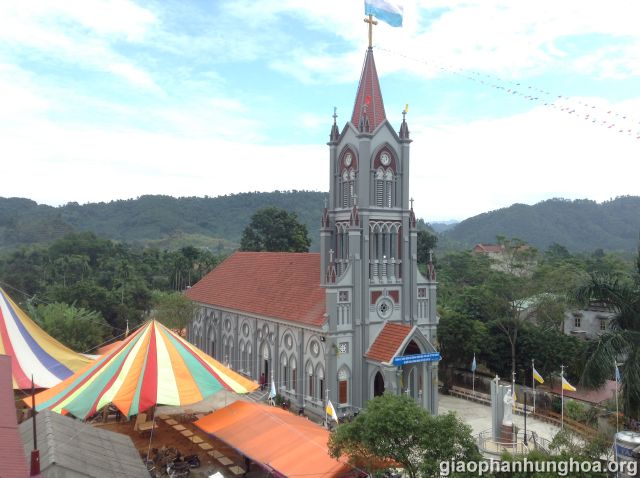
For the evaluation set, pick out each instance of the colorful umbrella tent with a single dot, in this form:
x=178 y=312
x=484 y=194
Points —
x=32 y=350
x=152 y=366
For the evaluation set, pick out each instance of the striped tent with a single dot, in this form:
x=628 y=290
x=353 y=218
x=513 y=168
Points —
x=32 y=350
x=152 y=366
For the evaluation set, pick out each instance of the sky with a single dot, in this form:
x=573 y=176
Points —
x=509 y=101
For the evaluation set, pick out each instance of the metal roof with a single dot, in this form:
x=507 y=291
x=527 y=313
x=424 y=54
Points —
x=80 y=449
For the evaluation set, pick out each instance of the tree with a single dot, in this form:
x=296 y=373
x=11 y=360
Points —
x=459 y=337
x=426 y=243
x=396 y=428
x=79 y=329
x=622 y=339
x=173 y=309
x=275 y=230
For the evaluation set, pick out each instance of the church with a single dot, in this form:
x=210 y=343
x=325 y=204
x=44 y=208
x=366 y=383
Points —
x=355 y=320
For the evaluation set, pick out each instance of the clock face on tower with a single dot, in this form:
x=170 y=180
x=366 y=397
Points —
x=347 y=159
x=385 y=159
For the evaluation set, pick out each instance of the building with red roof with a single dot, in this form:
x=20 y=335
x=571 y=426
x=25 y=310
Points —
x=335 y=324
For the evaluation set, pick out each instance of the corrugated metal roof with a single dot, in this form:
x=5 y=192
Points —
x=69 y=444
x=13 y=462
x=279 y=440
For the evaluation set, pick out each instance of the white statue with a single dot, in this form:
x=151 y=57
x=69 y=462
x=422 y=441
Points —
x=507 y=416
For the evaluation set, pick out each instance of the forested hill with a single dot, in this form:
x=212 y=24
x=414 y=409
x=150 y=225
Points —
x=161 y=220
x=580 y=225
x=217 y=223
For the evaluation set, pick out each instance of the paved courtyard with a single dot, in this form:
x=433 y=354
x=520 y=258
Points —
x=478 y=417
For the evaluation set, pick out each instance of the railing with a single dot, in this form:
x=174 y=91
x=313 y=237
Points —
x=543 y=415
x=521 y=444
x=385 y=270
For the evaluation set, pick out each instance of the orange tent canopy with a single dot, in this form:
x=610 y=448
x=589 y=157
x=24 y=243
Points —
x=285 y=443
x=105 y=349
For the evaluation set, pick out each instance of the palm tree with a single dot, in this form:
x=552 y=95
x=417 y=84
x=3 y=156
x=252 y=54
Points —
x=621 y=342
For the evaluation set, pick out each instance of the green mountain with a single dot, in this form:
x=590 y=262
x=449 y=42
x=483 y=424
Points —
x=161 y=220
x=217 y=223
x=579 y=225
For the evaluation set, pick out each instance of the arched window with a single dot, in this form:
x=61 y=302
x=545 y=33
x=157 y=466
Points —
x=320 y=378
x=384 y=179
x=284 y=372
x=343 y=385
x=249 y=360
x=348 y=187
x=388 y=188
x=345 y=188
x=294 y=374
x=310 y=380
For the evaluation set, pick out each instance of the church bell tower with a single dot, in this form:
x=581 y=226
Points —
x=368 y=245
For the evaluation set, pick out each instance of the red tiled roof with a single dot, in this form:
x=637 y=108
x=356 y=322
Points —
x=369 y=87
x=606 y=392
x=488 y=248
x=388 y=342
x=12 y=454
x=272 y=284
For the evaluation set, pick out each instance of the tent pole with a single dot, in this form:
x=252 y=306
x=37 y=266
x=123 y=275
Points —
x=153 y=425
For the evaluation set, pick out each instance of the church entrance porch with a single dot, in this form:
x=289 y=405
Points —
x=403 y=361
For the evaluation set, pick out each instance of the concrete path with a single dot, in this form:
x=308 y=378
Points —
x=478 y=417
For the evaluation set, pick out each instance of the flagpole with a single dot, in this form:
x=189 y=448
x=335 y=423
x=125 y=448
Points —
x=326 y=403
x=533 y=385
x=615 y=368
x=473 y=376
x=615 y=437
x=513 y=390
x=562 y=397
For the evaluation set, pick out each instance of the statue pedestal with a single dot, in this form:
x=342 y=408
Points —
x=506 y=434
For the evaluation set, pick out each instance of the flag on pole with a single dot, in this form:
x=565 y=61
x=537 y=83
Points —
x=272 y=390
x=537 y=376
x=389 y=11
x=617 y=374
x=567 y=386
x=473 y=363
x=331 y=412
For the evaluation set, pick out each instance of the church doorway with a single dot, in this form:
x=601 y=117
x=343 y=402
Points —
x=378 y=385
x=265 y=355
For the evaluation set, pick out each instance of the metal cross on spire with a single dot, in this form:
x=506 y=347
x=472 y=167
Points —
x=335 y=114
x=371 y=23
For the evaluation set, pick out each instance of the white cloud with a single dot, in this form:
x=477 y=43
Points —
x=526 y=158
x=79 y=33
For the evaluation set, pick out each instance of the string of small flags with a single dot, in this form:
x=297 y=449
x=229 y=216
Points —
x=604 y=117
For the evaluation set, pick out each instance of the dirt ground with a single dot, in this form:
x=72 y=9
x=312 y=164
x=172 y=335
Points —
x=165 y=435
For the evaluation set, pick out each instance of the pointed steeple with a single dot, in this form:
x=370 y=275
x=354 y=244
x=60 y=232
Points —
x=368 y=111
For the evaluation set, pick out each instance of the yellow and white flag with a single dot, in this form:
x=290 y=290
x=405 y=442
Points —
x=331 y=412
x=567 y=386
x=538 y=378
